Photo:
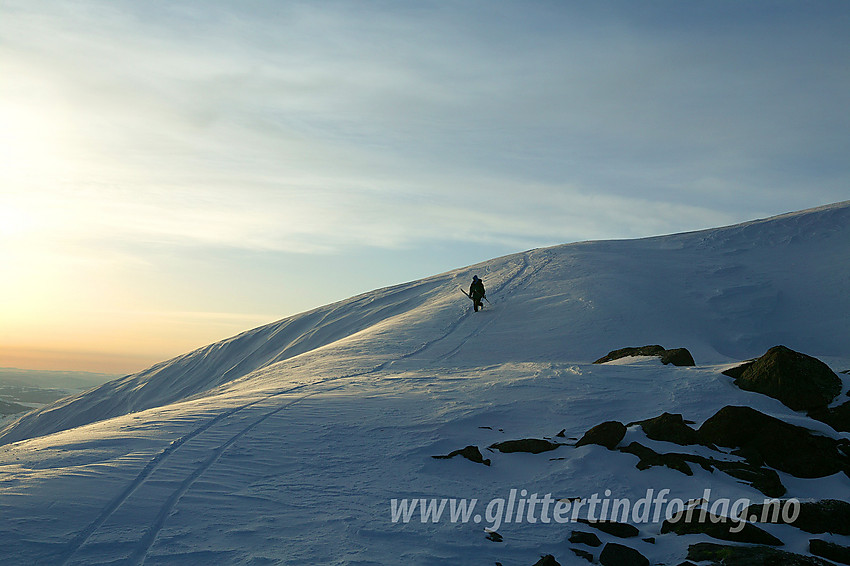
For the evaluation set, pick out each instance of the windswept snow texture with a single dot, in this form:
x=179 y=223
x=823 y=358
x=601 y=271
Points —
x=286 y=444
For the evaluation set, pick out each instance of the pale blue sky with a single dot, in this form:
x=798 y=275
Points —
x=175 y=172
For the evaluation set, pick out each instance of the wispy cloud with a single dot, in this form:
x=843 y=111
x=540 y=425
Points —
x=304 y=127
x=151 y=150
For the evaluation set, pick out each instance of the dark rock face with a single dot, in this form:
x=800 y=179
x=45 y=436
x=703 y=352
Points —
x=607 y=434
x=547 y=560
x=763 y=439
x=614 y=528
x=721 y=555
x=649 y=458
x=825 y=516
x=470 y=453
x=801 y=382
x=738 y=370
x=669 y=427
x=676 y=356
x=653 y=350
x=533 y=445
x=583 y=554
x=721 y=528
x=836 y=417
x=618 y=555
x=830 y=550
x=581 y=537
x=763 y=479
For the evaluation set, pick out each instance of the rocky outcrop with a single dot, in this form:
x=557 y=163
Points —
x=763 y=479
x=799 y=381
x=583 y=554
x=470 y=453
x=836 y=417
x=649 y=458
x=619 y=555
x=723 y=528
x=816 y=517
x=723 y=555
x=581 y=537
x=669 y=427
x=676 y=356
x=613 y=528
x=830 y=550
x=607 y=434
x=547 y=560
x=763 y=439
x=532 y=445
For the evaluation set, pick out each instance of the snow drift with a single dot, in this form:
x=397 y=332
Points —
x=288 y=444
x=726 y=294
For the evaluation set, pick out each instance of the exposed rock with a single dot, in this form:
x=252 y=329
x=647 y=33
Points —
x=825 y=516
x=653 y=350
x=533 y=445
x=649 y=458
x=738 y=370
x=583 y=554
x=618 y=555
x=562 y=434
x=763 y=439
x=722 y=555
x=581 y=537
x=723 y=528
x=470 y=453
x=614 y=528
x=676 y=356
x=494 y=536
x=801 y=382
x=607 y=434
x=763 y=479
x=650 y=540
x=547 y=560
x=830 y=550
x=836 y=417
x=669 y=427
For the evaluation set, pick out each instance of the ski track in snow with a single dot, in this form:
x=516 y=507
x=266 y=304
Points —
x=160 y=459
x=467 y=376
x=516 y=280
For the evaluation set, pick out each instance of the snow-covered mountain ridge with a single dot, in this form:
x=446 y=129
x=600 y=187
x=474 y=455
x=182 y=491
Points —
x=726 y=293
x=286 y=444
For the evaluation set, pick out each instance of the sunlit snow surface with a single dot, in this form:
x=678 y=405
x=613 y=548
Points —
x=285 y=445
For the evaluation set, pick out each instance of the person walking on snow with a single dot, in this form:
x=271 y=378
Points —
x=477 y=292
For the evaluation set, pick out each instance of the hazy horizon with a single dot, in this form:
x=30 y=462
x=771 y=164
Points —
x=174 y=173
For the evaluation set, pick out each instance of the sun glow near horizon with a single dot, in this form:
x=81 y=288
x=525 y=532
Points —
x=168 y=170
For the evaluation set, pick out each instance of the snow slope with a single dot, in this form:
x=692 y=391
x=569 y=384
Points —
x=285 y=444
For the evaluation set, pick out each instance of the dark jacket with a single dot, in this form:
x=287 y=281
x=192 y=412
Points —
x=476 y=290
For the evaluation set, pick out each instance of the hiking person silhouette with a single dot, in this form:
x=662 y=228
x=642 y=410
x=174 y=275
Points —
x=477 y=292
